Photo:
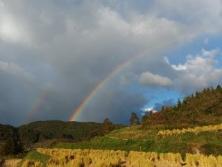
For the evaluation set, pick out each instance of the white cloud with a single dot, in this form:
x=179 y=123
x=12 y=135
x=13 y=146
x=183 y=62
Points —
x=11 y=29
x=179 y=67
x=148 y=78
x=149 y=110
x=199 y=71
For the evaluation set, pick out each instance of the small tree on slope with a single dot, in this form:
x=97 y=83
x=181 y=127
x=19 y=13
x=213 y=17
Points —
x=134 y=120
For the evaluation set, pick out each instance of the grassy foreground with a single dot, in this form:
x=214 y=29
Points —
x=136 y=139
x=109 y=158
x=134 y=146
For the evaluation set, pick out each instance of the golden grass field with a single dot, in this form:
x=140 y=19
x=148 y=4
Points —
x=109 y=158
x=11 y=163
x=195 y=130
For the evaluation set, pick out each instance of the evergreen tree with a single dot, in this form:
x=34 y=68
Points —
x=134 y=120
x=107 y=125
x=179 y=104
x=219 y=87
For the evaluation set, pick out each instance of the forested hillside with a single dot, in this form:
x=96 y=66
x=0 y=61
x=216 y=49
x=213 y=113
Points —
x=46 y=133
x=201 y=108
x=9 y=140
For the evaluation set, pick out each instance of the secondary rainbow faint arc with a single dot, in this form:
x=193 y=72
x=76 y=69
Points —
x=99 y=86
x=38 y=103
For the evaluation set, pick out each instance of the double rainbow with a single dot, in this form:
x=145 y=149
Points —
x=76 y=112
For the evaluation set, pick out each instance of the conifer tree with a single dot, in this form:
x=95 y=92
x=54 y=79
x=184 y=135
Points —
x=107 y=125
x=134 y=120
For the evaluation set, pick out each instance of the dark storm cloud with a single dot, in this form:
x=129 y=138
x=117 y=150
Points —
x=15 y=98
x=117 y=106
x=65 y=48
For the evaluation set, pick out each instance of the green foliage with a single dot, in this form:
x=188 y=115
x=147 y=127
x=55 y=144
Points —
x=9 y=142
x=45 y=133
x=206 y=143
x=212 y=148
x=36 y=156
x=107 y=126
x=203 y=108
x=39 y=132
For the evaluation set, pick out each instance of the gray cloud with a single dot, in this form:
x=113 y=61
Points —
x=65 y=48
x=148 y=78
x=117 y=105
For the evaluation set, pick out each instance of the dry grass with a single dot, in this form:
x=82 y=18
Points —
x=195 y=130
x=12 y=163
x=109 y=158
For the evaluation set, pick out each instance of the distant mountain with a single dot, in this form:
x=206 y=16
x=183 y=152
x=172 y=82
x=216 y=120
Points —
x=201 y=108
x=45 y=133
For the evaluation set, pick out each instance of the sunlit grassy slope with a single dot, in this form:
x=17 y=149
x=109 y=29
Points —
x=137 y=139
x=135 y=146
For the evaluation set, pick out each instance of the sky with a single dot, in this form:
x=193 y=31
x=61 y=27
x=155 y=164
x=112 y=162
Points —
x=85 y=60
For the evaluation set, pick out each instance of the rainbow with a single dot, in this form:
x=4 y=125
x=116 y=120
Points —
x=76 y=112
x=99 y=86
x=38 y=103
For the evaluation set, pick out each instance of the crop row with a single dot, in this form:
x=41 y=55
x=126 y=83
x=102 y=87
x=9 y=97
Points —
x=194 y=130
x=110 y=158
